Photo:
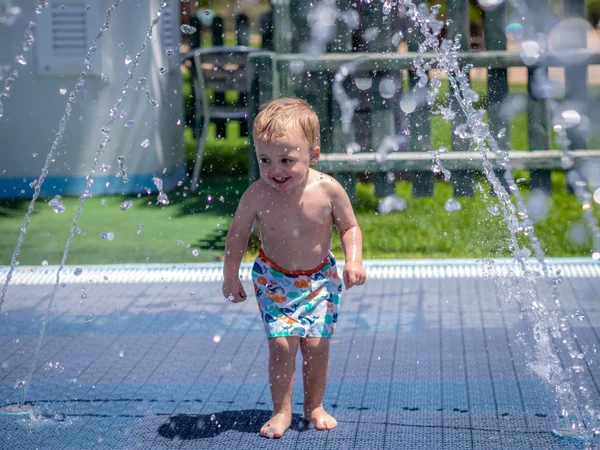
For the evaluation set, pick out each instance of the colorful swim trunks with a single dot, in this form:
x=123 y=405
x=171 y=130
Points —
x=301 y=303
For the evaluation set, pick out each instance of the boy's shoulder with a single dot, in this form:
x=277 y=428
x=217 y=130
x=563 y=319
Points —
x=256 y=188
x=327 y=183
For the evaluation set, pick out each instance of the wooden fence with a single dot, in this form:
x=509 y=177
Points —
x=276 y=73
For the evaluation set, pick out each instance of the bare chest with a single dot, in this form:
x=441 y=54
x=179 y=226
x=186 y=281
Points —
x=304 y=217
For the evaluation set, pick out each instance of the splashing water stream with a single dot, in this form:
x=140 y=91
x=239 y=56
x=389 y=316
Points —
x=50 y=158
x=548 y=327
x=89 y=181
x=546 y=322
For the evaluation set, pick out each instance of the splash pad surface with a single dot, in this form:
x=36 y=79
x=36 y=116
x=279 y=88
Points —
x=425 y=357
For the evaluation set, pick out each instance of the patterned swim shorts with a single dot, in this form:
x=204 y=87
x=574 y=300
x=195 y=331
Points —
x=301 y=303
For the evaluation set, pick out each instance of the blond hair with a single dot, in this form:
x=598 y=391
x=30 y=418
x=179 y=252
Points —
x=277 y=115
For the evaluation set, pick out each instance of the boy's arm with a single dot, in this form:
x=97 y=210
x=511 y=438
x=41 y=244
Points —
x=350 y=234
x=237 y=240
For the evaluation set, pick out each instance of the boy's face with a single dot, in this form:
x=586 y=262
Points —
x=284 y=161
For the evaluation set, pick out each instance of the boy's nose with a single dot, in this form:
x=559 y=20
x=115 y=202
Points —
x=276 y=171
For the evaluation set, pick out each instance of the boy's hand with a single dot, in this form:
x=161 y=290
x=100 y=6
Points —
x=234 y=291
x=354 y=275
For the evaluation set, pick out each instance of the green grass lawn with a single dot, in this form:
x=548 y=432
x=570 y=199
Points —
x=166 y=232
x=423 y=230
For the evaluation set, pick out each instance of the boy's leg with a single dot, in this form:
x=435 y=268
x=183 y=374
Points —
x=315 y=352
x=282 y=361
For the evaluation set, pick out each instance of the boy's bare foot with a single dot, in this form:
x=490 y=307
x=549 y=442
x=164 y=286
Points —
x=276 y=426
x=320 y=419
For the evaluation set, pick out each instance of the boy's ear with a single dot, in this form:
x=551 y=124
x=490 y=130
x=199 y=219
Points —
x=315 y=154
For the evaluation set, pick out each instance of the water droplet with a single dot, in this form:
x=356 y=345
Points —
x=514 y=31
x=490 y=5
x=195 y=252
x=570 y=35
x=122 y=168
x=408 y=104
x=128 y=60
x=77 y=271
x=596 y=256
x=104 y=78
x=353 y=148
x=188 y=29
x=387 y=88
x=363 y=83
x=386 y=7
x=163 y=70
x=170 y=52
x=452 y=205
x=56 y=204
x=121 y=354
x=129 y=123
x=150 y=99
x=20 y=59
x=162 y=197
x=397 y=38
x=105 y=134
x=88 y=320
x=370 y=34
x=62 y=91
x=145 y=143
x=86 y=192
x=494 y=210
x=126 y=205
x=108 y=235
x=390 y=204
x=530 y=52
x=569 y=118
x=596 y=195
x=578 y=315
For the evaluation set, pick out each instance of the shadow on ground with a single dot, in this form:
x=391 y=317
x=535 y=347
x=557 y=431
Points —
x=204 y=426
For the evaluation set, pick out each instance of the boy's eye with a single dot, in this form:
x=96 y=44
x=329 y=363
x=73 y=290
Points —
x=263 y=160
x=287 y=161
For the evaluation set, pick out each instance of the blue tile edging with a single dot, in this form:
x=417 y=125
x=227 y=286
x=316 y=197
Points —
x=19 y=187
x=376 y=269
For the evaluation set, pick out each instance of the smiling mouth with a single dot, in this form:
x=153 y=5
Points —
x=280 y=180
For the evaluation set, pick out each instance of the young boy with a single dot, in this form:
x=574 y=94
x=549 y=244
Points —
x=295 y=276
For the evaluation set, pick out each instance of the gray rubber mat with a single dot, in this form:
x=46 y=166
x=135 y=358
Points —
x=416 y=362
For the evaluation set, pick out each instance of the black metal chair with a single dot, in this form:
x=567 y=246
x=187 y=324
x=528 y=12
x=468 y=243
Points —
x=218 y=69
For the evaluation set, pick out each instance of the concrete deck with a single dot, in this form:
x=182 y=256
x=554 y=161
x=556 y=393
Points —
x=415 y=363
